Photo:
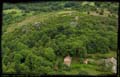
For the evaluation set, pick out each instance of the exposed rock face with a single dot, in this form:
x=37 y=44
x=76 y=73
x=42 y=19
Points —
x=111 y=62
x=67 y=60
x=73 y=24
x=114 y=61
x=25 y=29
x=37 y=25
x=114 y=67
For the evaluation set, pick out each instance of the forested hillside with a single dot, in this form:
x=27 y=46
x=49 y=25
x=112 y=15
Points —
x=37 y=36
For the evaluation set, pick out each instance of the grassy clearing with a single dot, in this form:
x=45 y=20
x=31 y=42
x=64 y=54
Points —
x=76 y=66
x=36 y=18
x=105 y=55
x=87 y=69
x=62 y=15
x=29 y=20
x=12 y=10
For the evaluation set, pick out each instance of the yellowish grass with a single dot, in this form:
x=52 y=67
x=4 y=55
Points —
x=28 y=20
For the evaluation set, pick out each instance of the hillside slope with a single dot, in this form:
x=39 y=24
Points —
x=38 y=42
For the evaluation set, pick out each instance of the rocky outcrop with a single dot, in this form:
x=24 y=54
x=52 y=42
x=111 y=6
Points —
x=73 y=24
x=111 y=63
x=37 y=25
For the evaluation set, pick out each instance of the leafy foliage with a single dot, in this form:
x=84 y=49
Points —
x=31 y=48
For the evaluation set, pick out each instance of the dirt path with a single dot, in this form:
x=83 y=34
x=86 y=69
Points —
x=27 y=20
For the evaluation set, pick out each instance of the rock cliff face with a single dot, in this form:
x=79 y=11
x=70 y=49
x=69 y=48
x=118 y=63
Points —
x=112 y=64
x=114 y=67
x=109 y=64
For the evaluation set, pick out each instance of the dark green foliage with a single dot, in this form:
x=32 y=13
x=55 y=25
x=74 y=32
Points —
x=54 y=6
x=29 y=49
x=9 y=18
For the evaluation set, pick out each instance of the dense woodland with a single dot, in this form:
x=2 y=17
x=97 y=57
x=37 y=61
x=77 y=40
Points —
x=37 y=36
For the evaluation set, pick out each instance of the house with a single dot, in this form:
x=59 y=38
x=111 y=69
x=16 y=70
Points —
x=67 y=60
x=85 y=61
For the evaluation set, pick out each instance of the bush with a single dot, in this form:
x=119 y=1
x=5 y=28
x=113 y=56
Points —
x=83 y=72
x=81 y=60
x=49 y=54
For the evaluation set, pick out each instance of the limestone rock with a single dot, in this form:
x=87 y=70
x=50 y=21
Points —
x=85 y=61
x=112 y=64
x=37 y=25
x=73 y=24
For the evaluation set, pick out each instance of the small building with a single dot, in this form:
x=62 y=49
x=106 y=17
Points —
x=37 y=25
x=113 y=60
x=85 y=61
x=67 y=60
x=114 y=69
x=73 y=24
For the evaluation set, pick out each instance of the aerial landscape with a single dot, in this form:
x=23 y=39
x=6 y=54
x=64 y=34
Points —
x=60 y=38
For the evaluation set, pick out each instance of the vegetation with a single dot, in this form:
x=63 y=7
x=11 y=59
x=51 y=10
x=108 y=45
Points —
x=37 y=36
